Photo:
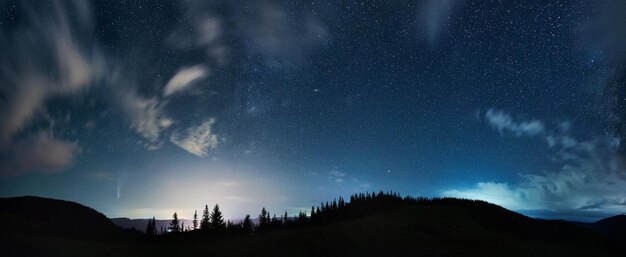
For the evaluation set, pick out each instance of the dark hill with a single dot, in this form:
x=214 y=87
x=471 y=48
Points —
x=612 y=227
x=381 y=225
x=45 y=217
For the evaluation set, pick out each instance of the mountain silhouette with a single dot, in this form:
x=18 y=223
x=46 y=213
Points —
x=612 y=227
x=39 y=216
x=140 y=224
x=33 y=226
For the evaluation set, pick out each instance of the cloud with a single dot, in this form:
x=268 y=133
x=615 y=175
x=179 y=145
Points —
x=433 y=16
x=337 y=176
x=43 y=59
x=504 y=122
x=590 y=177
x=201 y=28
x=48 y=55
x=277 y=33
x=39 y=153
x=185 y=78
x=198 y=140
x=102 y=175
x=147 y=118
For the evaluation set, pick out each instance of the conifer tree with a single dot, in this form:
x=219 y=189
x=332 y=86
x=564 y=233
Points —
x=204 y=223
x=217 y=220
x=174 y=224
x=150 y=229
x=195 y=220
x=302 y=217
x=247 y=224
x=264 y=218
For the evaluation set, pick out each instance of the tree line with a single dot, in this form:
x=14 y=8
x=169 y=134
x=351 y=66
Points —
x=212 y=222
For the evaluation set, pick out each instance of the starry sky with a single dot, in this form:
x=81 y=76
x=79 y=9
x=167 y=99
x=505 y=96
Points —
x=143 y=108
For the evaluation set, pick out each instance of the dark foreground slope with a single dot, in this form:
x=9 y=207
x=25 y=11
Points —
x=445 y=227
x=37 y=216
x=612 y=227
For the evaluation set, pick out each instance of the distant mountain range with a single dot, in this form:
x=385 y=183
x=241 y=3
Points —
x=141 y=224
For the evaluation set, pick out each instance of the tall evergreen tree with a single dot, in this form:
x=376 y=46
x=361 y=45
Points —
x=302 y=217
x=217 y=220
x=204 y=223
x=195 y=220
x=174 y=224
x=264 y=218
x=247 y=224
x=151 y=228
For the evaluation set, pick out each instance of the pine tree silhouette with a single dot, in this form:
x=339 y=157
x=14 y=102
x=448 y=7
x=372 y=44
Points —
x=195 y=220
x=264 y=218
x=151 y=228
x=174 y=224
x=204 y=223
x=247 y=224
x=217 y=220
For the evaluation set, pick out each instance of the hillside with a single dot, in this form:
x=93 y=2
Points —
x=612 y=227
x=383 y=227
x=45 y=217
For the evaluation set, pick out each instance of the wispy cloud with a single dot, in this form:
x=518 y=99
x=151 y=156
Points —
x=434 y=16
x=337 y=176
x=198 y=140
x=39 y=153
x=590 y=177
x=147 y=118
x=503 y=121
x=46 y=57
x=62 y=65
x=278 y=33
x=185 y=78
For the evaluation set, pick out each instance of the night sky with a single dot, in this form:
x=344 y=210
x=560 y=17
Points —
x=143 y=108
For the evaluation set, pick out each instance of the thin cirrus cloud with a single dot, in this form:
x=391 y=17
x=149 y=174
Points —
x=184 y=78
x=197 y=140
x=588 y=171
